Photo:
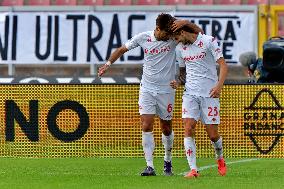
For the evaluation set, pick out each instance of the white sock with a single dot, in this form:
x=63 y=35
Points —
x=148 y=147
x=190 y=151
x=168 y=145
x=218 y=148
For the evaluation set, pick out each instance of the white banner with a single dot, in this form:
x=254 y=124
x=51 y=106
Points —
x=235 y=31
x=74 y=37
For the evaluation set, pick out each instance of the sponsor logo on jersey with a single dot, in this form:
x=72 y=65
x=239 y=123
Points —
x=195 y=57
x=169 y=116
x=159 y=50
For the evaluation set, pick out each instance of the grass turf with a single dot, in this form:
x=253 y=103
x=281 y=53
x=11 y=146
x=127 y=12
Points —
x=123 y=173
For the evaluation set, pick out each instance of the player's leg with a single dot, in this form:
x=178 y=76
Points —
x=211 y=118
x=216 y=140
x=190 y=115
x=148 y=143
x=147 y=112
x=190 y=146
x=167 y=140
x=165 y=103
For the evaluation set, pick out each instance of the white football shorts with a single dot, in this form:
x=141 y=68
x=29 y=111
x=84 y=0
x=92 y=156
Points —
x=205 y=108
x=159 y=104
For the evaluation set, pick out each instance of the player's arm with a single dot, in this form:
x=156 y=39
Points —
x=181 y=23
x=180 y=80
x=182 y=76
x=182 y=71
x=113 y=57
x=130 y=44
x=216 y=91
x=218 y=56
x=223 y=71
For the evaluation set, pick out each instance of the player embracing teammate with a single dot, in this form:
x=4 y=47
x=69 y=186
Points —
x=156 y=96
x=197 y=55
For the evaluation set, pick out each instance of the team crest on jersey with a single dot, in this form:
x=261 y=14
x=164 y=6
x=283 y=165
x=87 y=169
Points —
x=200 y=44
x=218 y=50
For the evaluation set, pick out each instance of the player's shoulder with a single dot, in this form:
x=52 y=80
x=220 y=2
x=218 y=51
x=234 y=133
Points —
x=204 y=40
x=179 y=46
x=145 y=34
x=207 y=38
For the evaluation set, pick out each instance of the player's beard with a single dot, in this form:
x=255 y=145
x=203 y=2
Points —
x=185 y=42
x=163 y=38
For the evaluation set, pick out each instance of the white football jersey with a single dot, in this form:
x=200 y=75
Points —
x=199 y=59
x=159 y=65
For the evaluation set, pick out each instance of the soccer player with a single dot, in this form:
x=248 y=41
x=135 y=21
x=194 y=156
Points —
x=156 y=96
x=197 y=55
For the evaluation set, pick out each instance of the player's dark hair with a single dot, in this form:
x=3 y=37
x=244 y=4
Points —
x=164 y=22
x=184 y=28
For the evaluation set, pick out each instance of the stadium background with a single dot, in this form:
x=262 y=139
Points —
x=114 y=129
x=114 y=123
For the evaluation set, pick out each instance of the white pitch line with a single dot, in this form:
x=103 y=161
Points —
x=227 y=163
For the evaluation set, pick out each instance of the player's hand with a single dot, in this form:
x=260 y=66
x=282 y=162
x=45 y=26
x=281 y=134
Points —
x=103 y=69
x=174 y=84
x=178 y=24
x=215 y=92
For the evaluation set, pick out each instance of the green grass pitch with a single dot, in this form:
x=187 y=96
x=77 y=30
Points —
x=123 y=173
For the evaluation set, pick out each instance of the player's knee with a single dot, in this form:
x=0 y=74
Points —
x=189 y=126
x=147 y=126
x=166 y=131
x=147 y=123
x=166 y=127
x=214 y=138
x=189 y=131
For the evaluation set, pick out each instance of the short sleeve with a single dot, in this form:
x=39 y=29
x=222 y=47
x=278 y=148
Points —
x=133 y=42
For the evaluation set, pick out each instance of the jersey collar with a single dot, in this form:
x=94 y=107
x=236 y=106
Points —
x=153 y=38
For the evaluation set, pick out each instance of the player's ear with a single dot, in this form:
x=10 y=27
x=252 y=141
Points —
x=182 y=32
x=157 y=28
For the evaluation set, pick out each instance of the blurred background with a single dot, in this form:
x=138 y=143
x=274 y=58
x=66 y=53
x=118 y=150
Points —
x=256 y=21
